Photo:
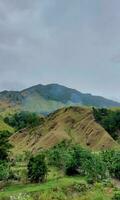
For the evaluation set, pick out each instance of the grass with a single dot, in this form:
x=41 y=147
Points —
x=51 y=184
x=56 y=187
x=4 y=126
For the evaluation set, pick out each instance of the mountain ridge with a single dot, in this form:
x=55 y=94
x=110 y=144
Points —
x=48 y=98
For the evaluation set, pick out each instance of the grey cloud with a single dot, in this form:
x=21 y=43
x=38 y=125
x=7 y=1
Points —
x=75 y=43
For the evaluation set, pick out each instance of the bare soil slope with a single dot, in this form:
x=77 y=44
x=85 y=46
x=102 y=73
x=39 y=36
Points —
x=73 y=123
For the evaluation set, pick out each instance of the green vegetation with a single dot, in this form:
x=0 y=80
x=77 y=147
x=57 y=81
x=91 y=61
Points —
x=109 y=119
x=112 y=160
x=4 y=145
x=116 y=196
x=23 y=119
x=37 y=168
x=76 y=160
x=48 y=98
x=4 y=152
x=4 y=126
x=66 y=171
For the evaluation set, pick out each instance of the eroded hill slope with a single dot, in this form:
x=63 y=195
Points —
x=73 y=123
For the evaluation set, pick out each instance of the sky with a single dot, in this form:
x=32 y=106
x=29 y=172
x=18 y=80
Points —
x=75 y=43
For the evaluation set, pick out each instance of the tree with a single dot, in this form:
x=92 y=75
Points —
x=4 y=145
x=4 y=153
x=37 y=168
x=23 y=119
x=110 y=120
x=73 y=159
x=112 y=160
x=4 y=171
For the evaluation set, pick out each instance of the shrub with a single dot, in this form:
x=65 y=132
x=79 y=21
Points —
x=116 y=196
x=95 y=168
x=112 y=160
x=37 y=168
x=4 y=145
x=4 y=171
x=74 y=159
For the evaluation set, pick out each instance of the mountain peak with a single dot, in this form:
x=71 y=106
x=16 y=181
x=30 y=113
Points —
x=47 y=98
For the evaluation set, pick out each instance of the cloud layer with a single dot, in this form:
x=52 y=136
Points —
x=75 y=43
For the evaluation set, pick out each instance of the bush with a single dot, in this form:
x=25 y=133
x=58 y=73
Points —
x=4 y=171
x=4 y=145
x=95 y=168
x=4 y=153
x=74 y=159
x=112 y=160
x=37 y=169
x=116 y=196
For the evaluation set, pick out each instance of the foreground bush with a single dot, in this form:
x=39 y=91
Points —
x=5 y=146
x=74 y=159
x=37 y=169
x=116 y=196
x=4 y=171
x=112 y=160
x=4 y=155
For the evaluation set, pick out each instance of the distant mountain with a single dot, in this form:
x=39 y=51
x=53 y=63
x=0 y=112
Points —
x=48 y=98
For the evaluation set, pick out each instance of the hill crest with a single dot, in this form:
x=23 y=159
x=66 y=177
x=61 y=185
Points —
x=73 y=123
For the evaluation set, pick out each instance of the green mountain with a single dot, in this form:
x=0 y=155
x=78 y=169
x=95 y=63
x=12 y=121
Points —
x=48 y=98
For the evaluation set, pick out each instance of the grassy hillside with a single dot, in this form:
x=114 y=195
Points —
x=57 y=189
x=7 y=108
x=73 y=123
x=4 y=126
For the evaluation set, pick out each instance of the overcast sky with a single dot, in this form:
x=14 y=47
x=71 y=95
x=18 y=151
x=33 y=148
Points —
x=72 y=42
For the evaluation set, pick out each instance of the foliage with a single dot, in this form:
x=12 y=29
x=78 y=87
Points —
x=116 y=196
x=4 y=145
x=95 y=168
x=23 y=119
x=112 y=160
x=74 y=159
x=37 y=168
x=4 y=153
x=110 y=120
x=4 y=171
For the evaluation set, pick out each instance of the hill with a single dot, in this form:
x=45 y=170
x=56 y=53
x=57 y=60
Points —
x=48 y=98
x=4 y=126
x=73 y=123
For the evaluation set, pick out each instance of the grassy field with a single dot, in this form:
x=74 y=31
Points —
x=58 y=187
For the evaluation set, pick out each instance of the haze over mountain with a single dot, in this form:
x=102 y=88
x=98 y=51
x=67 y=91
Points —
x=48 y=98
